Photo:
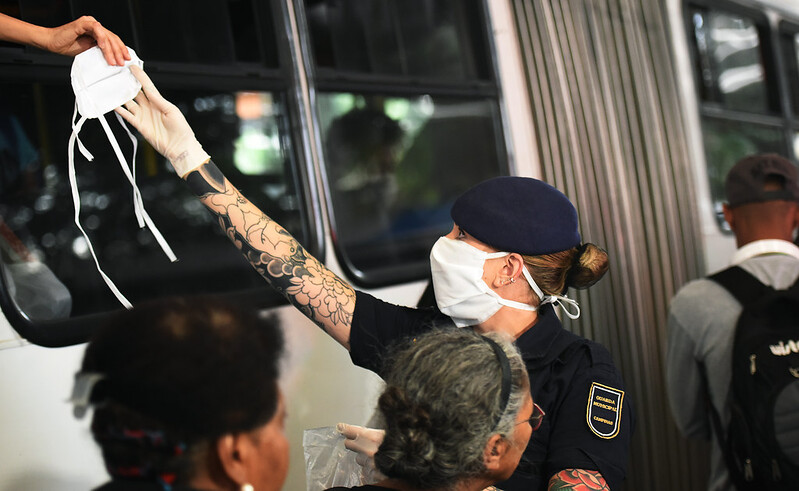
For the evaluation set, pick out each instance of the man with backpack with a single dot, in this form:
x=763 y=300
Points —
x=732 y=363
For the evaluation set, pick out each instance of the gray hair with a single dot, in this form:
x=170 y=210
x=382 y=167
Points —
x=441 y=404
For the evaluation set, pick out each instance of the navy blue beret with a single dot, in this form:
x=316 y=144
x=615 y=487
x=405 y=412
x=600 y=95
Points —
x=518 y=214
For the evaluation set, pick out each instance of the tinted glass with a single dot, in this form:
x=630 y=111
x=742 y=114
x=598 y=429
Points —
x=731 y=69
x=245 y=132
x=725 y=143
x=213 y=32
x=439 y=39
x=113 y=15
x=394 y=166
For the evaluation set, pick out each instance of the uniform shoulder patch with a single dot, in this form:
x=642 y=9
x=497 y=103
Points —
x=603 y=413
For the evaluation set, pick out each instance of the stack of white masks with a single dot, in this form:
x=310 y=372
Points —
x=101 y=88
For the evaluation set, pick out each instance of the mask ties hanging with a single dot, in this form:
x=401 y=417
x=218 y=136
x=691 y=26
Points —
x=75 y=131
x=76 y=201
x=136 y=194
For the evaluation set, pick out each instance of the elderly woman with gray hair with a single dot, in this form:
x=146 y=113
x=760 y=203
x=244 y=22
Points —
x=457 y=411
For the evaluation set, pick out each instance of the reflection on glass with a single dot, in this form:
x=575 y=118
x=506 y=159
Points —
x=395 y=164
x=240 y=130
x=257 y=149
x=725 y=143
x=438 y=39
x=730 y=66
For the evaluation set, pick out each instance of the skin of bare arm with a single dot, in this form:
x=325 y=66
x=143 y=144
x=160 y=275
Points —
x=309 y=285
x=579 y=480
x=69 y=39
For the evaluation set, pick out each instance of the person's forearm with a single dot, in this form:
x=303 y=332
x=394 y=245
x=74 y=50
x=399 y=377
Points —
x=315 y=290
x=18 y=31
x=579 y=479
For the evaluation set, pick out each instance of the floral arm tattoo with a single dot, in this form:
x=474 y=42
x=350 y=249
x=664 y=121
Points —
x=578 y=479
x=316 y=291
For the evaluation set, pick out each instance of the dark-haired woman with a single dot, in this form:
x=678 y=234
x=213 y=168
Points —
x=513 y=252
x=185 y=396
x=457 y=411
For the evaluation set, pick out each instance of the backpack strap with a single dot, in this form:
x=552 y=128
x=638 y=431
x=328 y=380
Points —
x=741 y=284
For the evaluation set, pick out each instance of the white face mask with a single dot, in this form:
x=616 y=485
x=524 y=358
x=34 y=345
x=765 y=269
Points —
x=458 y=282
x=100 y=88
x=461 y=293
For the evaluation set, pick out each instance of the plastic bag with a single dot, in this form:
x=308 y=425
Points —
x=327 y=462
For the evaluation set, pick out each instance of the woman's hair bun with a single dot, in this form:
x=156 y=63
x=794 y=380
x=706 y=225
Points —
x=590 y=264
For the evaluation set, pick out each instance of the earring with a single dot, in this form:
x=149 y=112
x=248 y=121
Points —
x=512 y=279
x=247 y=487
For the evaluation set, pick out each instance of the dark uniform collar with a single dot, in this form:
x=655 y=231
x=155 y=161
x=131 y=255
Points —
x=543 y=342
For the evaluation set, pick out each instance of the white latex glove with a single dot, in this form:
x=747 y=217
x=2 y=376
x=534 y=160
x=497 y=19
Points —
x=163 y=125
x=364 y=442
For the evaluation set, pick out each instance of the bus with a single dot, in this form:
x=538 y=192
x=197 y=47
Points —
x=355 y=123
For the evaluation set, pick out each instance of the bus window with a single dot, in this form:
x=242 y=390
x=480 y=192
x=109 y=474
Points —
x=790 y=50
x=394 y=167
x=794 y=76
x=52 y=293
x=184 y=31
x=244 y=131
x=438 y=39
x=422 y=126
x=725 y=143
x=740 y=89
x=728 y=50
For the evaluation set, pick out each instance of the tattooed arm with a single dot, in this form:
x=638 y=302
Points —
x=578 y=479
x=319 y=294
x=316 y=291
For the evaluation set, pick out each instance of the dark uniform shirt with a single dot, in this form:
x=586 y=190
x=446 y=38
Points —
x=588 y=421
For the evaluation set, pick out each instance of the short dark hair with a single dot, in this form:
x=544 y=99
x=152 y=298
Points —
x=183 y=371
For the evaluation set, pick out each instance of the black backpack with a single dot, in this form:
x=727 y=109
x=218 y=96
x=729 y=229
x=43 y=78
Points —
x=761 y=444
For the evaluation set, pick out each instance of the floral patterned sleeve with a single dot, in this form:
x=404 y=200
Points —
x=316 y=291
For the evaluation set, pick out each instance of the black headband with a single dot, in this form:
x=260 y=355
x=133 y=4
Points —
x=504 y=364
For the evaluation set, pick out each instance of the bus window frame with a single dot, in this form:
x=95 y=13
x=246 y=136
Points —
x=788 y=34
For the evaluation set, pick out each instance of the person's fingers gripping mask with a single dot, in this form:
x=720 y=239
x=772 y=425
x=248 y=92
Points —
x=163 y=125
x=100 y=88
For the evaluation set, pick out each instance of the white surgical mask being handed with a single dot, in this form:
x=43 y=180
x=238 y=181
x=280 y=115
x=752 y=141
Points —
x=461 y=293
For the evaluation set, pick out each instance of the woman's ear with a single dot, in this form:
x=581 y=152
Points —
x=494 y=452
x=233 y=450
x=515 y=264
x=508 y=270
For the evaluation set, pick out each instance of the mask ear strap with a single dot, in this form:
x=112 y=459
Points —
x=76 y=201
x=145 y=216
x=561 y=300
